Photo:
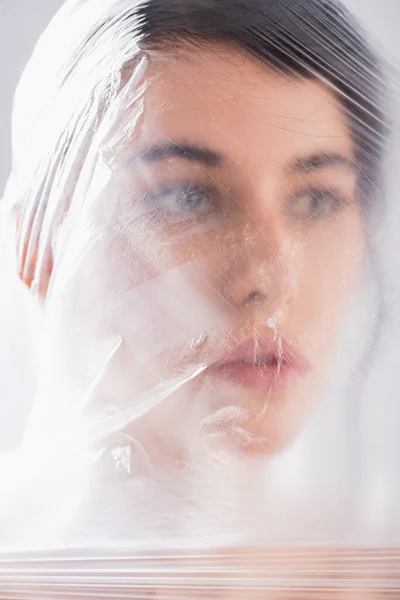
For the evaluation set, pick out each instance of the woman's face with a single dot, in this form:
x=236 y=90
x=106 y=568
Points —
x=212 y=270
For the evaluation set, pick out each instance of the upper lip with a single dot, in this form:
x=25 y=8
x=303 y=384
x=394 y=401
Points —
x=259 y=351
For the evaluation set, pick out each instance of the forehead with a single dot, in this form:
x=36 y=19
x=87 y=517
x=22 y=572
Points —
x=224 y=96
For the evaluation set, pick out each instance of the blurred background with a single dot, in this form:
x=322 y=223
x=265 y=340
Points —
x=21 y=22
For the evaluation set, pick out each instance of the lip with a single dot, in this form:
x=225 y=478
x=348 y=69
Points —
x=260 y=364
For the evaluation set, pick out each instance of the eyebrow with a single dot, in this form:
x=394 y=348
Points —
x=321 y=160
x=212 y=158
x=191 y=152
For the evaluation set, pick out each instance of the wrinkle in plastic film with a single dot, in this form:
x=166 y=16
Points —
x=205 y=207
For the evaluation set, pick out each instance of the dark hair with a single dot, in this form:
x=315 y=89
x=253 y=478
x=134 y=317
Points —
x=305 y=38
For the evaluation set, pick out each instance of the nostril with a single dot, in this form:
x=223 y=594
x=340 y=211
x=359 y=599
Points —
x=255 y=297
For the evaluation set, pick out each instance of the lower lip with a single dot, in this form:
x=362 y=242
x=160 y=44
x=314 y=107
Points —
x=258 y=377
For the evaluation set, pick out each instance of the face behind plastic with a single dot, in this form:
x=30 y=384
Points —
x=210 y=300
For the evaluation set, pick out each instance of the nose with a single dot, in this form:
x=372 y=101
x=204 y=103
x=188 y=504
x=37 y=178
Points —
x=259 y=275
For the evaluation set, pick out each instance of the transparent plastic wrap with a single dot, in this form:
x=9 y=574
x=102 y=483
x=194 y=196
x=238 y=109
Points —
x=205 y=198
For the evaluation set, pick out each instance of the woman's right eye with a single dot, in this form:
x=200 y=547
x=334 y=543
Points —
x=192 y=199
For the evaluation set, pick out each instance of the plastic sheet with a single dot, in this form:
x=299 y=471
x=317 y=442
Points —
x=205 y=199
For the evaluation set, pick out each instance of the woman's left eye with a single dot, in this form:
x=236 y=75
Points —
x=314 y=203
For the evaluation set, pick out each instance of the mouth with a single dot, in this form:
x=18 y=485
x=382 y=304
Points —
x=260 y=364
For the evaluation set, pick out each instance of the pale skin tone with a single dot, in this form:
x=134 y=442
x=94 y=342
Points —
x=233 y=213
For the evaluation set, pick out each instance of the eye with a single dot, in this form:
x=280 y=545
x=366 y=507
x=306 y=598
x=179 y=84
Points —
x=315 y=203
x=189 y=199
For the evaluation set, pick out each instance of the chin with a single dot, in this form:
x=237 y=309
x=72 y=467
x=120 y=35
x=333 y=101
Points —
x=256 y=424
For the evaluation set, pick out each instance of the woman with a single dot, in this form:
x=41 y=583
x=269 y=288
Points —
x=193 y=183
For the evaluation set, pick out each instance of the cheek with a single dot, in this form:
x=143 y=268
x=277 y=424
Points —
x=329 y=274
x=120 y=291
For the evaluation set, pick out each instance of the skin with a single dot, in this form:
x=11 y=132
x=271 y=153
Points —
x=158 y=282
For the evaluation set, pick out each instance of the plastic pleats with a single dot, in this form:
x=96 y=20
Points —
x=205 y=197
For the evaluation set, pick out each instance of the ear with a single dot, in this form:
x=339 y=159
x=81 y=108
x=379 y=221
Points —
x=36 y=276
